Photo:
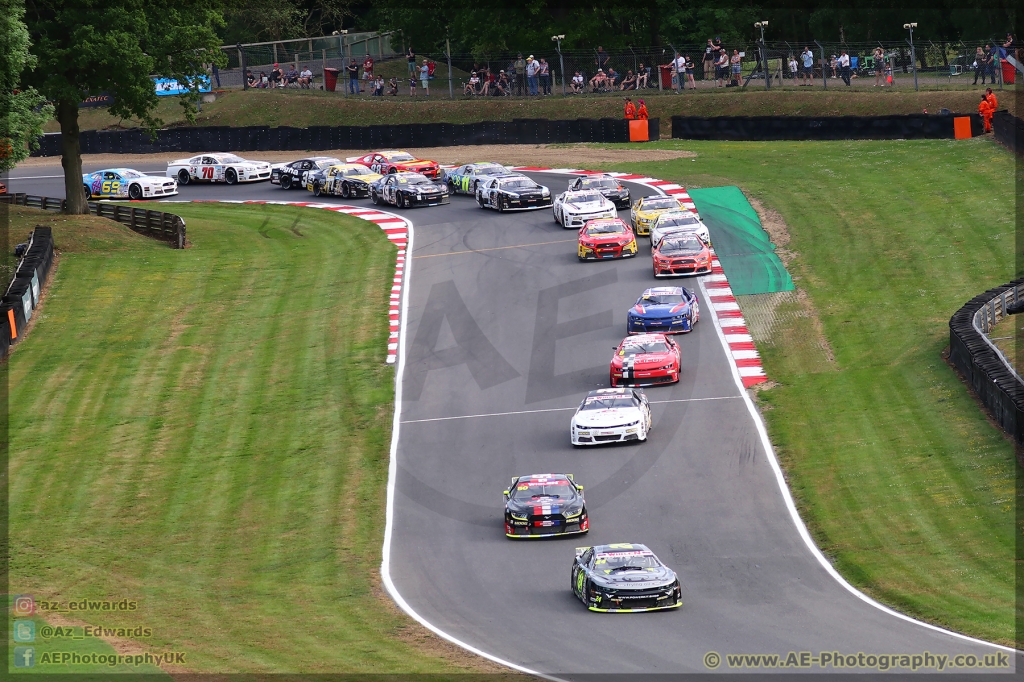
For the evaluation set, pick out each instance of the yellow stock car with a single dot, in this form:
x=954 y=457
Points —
x=647 y=209
x=348 y=180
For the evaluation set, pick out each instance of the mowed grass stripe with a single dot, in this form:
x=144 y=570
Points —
x=206 y=432
x=900 y=477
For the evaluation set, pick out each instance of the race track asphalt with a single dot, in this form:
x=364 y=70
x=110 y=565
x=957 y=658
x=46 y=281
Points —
x=506 y=332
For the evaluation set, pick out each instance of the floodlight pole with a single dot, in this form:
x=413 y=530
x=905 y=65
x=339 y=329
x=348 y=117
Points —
x=764 y=54
x=913 y=53
x=561 y=62
x=448 y=55
x=241 y=64
x=824 y=77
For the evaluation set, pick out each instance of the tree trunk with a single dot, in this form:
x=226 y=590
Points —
x=71 y=156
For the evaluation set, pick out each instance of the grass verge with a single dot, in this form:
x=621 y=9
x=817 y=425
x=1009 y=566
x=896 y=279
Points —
x=205 y=432
x=905 y=484
x=302 y=108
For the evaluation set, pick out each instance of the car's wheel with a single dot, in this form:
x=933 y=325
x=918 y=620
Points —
x=134 y=192
x=183 y=177
x=346 y=190
x=88 y=192
x=231 y=176
x=501 y=204
x=554 y=214
x=316 y=189
x=655 y=271
x=392 y=171
x=480 y=201
x=286 y=182
x=374 y=197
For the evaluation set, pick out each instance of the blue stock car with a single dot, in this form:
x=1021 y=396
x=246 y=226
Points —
x=669 y=310
x=126 y=183
x=464 y=179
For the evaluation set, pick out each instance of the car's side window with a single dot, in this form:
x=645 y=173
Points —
x=588 y=558
x=110 y=176
x=196 y=159
x=209 y=161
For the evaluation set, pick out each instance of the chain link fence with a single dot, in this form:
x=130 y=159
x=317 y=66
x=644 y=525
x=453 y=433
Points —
x=638 y=69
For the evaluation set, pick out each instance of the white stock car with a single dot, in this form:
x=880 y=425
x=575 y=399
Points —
x=217 y=168
x=611 y=415
x=678 y=221
x=574 y=209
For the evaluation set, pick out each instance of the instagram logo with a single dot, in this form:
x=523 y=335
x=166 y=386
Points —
x=24 y=605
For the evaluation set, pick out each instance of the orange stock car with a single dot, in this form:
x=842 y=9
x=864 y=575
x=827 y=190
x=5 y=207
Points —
x=393 y=161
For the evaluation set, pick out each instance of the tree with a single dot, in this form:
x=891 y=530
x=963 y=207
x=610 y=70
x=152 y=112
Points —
x=23 y=111
x=88 y=47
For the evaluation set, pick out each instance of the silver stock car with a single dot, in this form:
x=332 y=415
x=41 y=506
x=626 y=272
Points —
x=574 y=209
x=611 y=415
x=465 y=178
x=623 y=578
x=512 y=192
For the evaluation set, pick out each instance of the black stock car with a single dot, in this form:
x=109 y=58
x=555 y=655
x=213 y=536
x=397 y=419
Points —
x=407 y=190
x=624 y=578
x=543 y=505
x=291 y=175
x=511 y=192
x=609 y=187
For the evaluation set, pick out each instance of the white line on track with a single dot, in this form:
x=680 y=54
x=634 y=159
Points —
x=561 y=409
x=153 y=174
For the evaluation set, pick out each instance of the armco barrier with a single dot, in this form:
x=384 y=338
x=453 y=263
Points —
x=895 y=127
x=24 y=293
x=166 y=227
x=987 y=372
x=1008 y=131
x=284 y=138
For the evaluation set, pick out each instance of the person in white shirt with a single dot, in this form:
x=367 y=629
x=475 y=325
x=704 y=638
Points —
x=577 y=83
x=473 y=86
x=306 y=77
x=808 y=71
x=679 y=63
x=794 y=66
x=844 y=67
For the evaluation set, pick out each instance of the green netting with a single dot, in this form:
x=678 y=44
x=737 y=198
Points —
x=741 y=244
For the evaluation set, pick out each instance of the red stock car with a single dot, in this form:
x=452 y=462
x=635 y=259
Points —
x=606 y=238
x=684 y=253
x=393 y=161
x=645 y=360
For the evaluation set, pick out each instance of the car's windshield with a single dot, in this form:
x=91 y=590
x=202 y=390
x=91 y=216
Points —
x=584 y=198
x=132 y=174
x=600 y=182
x=231 y=158
x=487 y=167
x=669 y=220
x=517 y=183
x=640 y=348
x=625 y=561
x=611 y=227
x=607 y=402
x=357 y=170
x=659 y=204
x=535 y=490
x=412 y=179
x=401 y=156
x=686 y=244
x=324 y=163
x=661 y=298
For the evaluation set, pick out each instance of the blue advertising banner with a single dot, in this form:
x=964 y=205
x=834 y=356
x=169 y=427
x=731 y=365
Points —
x=169 y=86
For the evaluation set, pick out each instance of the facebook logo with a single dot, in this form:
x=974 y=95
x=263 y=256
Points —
x=24 y=656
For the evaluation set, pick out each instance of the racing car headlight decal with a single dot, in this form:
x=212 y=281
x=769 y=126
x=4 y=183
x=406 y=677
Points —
x=573 y=514
x=546 y=192
x=518 y=517
x=633 y=423
x=667 y=367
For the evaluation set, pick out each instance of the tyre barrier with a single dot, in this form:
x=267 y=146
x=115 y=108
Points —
x=1008 y=131
x=165 y=227
x=985 y=369
x=895 y=127
x=25 y=291
x=319 y=138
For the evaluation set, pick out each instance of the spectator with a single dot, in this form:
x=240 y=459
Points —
x=598 y=81
x=250 y=79
x=689 y=72
x=641 y=111
x=545 y=76
x=425 y=77
x=629 y=110
x=501 y=85
x=216 y=74
x=710 y=55
x=613 y=76
x=486 y=79
x=264 y=80
x=721 y=68
x=794 y=67
x=368 y=68
x=472 y=85
x=737 y=67
x=602 y=58
x=979 y=65
x=410 y=57
x=641 y=77
x=306 y=77
x=990 y=67
x=833 y=63
x=353 y=76
x=1010 y=46
x=878 y=58
x=844 y=67
x=519 y=74
x=378 y=86
x=992 y=101
x=577 y=83
x=629 y=82
x=431 y=67
x=678 y=67
x=292 y=77
x=807 y=57
x=532 y=69
x=393 y=87
x=275 y=77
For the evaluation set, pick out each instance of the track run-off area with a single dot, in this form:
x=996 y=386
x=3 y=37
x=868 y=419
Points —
x=501 y=332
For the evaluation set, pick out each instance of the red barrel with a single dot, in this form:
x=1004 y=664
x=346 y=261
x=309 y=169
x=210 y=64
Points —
x=666 y=77
x=330 y=79
x=1008 y=73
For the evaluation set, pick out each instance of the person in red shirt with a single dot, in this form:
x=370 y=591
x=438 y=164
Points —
x=641 y=111
x=368 y=68
x=630 y=112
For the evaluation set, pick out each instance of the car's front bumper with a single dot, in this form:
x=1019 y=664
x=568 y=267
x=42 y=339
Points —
x=435 y=200
x=619 y=434
x=644 y=378
x=665 y=325
x=515 y=528
x=676 y=269
x=526 y=203
x=606 y=252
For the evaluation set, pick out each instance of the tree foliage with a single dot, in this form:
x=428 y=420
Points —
x=250 y=21
x=23 y=111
